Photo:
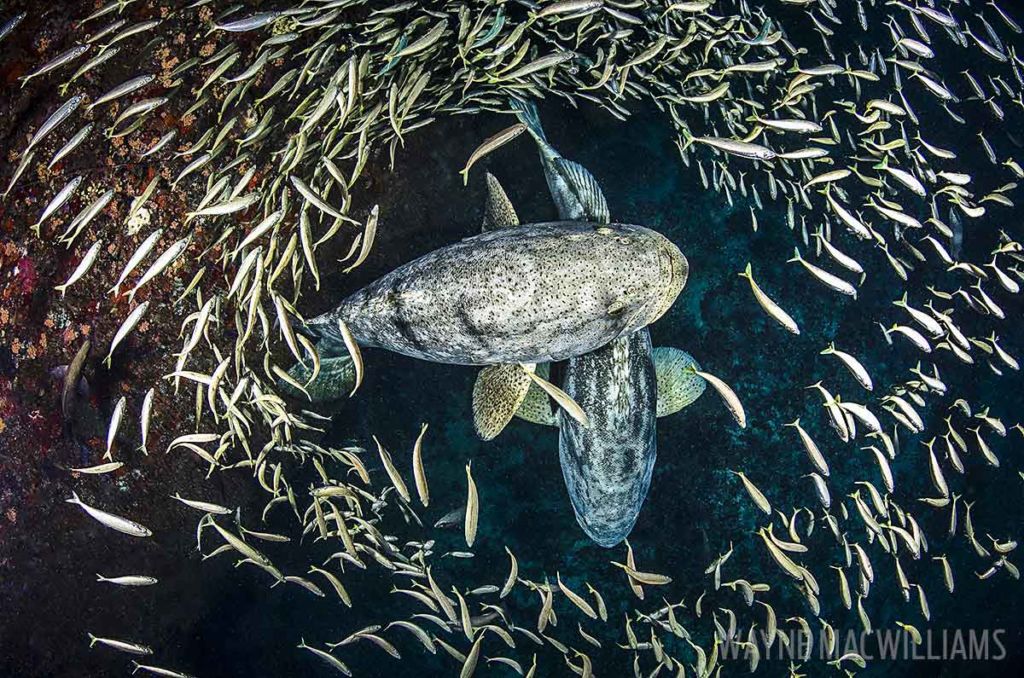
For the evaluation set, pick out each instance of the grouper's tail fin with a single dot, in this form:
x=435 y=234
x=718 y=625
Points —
x=337 y=368
x=323 y=330
x=526 y=112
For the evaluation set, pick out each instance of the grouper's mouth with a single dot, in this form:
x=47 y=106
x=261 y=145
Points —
x=673 y=270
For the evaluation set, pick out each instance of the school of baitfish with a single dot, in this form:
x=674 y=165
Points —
x=830 y=124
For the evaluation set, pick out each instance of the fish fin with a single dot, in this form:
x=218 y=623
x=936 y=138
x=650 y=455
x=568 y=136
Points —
x=497 y=394
x=324 y=330
x=617 y=306
x=498 y=212
x=586 y=189
x=678 y=385
x=336 y=379
x=536 y=407
x=688 y=138
x=526 y=113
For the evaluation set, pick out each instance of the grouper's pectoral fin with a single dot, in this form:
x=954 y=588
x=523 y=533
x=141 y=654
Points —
x=536 y=408
x=498 y=212
x=678 y=385
x=336 y=379
x=497 y=394
x=500 y=391
x=586 y=189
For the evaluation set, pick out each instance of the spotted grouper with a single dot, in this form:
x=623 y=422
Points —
x=535 y=293
x=607 y=466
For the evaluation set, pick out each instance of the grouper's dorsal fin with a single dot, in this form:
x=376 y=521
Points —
x=498 y=212
x=497 y=394
x=587 y=190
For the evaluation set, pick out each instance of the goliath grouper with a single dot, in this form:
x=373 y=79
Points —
x=535 y=293
x=607 y=465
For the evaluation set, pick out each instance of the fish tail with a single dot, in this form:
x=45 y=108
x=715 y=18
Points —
x=746 y=273
x=74 y=498
x=323 y=330
x=99 y=577
x=136 y=666
x=829 y=350
x=901 y=303
x=794 y=423
x=92 y=638
x=526 y=112
x=687 y=138
x=796 y=256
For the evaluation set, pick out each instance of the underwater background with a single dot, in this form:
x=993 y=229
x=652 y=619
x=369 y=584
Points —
x=212 y=619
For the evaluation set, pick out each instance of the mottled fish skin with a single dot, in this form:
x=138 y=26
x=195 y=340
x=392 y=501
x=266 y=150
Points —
x=535 y=293
x=607 y=467
x=567 y=181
